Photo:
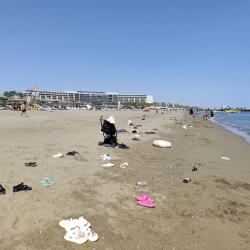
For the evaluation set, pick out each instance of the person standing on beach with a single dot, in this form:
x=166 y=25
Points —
x=24 y=109
x=205 y=115
x=191 y=112
x=211 y=114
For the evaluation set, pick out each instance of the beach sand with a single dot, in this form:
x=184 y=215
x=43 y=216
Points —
x=210 y=212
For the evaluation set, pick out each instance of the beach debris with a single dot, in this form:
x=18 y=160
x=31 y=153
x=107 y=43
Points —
x=136 y=138
x=149 y=132
x=225 y=158
x=184 y=126
x=106 y=145
x=106 y=157
x=78 y=230
x=59 y=155
x=30 y=164
x=124 y=165
x=75 y=235
x=123 y=146
x=72 y=153
x=186 y=180
x=145 y=201
x=121 y=130
x=2 y=190
x=155 y=129
x=108 y=165
x=141 y=183
x=21 y=187
x=162 y=144
x=130 y=122
x=190 y=126
x=194 y=167
x=134 y=131
x=47 y=182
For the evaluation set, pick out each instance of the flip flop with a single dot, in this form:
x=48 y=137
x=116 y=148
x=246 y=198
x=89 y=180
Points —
x=106 y=157
x=124 y=165
x=109 y=164
x=145 y=198
x=30 y=164
x=146 y=204
x=47 y=181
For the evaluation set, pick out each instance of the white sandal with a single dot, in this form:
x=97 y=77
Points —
x=82 y=223
x=109 y=164
x=67 y=224
x=90 y=234
x=76 y=235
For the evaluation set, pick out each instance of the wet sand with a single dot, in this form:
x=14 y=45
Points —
x=210 y=212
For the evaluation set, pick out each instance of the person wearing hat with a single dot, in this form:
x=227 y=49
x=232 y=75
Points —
x=109 y=131
x=111 y=120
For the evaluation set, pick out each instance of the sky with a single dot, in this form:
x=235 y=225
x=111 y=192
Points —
x=194 y=52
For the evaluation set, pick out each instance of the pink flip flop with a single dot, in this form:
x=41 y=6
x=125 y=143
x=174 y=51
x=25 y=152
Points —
x=146 y=204
x=145 y=198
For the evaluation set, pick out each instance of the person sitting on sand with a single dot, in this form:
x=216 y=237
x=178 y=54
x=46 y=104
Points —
x=23 y=109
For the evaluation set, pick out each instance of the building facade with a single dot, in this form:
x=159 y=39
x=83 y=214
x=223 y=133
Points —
x=86 y=97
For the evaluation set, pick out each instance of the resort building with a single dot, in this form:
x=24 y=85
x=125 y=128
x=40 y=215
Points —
x=86 y=97
x=3 y=100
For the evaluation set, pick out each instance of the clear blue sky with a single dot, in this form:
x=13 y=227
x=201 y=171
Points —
x=187 y=51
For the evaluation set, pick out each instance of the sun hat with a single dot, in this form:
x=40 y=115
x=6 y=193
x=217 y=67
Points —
x=111 y=119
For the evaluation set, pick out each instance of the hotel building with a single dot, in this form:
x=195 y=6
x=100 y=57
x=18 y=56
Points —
x=86 y=97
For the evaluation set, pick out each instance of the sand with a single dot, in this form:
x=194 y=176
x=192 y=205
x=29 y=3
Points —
x=210 y=212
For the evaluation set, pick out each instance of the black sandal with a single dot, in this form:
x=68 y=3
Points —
x=30 y=164
x=2 y=190
x=21 y=187
x=72 y=153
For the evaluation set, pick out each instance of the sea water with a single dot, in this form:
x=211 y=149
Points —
x=238 y=123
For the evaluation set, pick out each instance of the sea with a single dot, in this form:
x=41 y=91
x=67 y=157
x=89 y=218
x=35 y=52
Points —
x=237 y=123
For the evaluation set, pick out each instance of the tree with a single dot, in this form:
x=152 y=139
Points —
x=12 y=93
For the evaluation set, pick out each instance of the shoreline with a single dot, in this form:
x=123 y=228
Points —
x=242 y=133
x=235 y=131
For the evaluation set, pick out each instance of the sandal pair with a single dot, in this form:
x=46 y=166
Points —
x=30 y=164
x=21 y=187
x=145 y=201
x=78 y=230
